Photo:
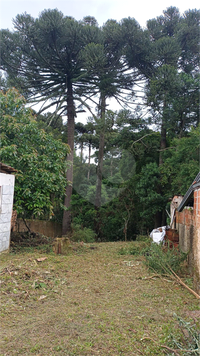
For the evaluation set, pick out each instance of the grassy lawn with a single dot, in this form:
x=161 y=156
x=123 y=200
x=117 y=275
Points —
x=93 y=301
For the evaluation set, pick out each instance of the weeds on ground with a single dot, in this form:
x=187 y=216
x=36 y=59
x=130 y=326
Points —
x=158 y=258
x=143 y=238
x=189 y=342
x=163 y=259
x=136 y=248
x=30 y=242
x=185 y=342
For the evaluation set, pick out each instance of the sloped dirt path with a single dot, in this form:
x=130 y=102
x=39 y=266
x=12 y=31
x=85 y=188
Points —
x=96 y=302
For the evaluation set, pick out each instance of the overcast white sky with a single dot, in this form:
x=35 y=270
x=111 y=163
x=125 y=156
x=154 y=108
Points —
x=102 y=10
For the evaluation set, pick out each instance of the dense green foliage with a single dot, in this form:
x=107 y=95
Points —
x=131 y=162
x=80 y=234
x=37 y=156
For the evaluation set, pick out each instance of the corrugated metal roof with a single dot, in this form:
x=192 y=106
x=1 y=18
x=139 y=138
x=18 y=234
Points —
x=4 y=168
x=189 y=192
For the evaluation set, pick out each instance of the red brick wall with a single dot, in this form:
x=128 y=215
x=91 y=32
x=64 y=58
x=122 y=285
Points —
x=197 y=207
x=185 y=227
x=188 y=226
x=196 y=243
x=185 y=217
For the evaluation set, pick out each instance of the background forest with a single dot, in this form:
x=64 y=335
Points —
x=123 y=166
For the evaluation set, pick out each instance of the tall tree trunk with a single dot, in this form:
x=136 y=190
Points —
x=89 y=158
x=163 y=142
x=81 y=152
x=111 y=166
x=159 y=217
x=66 y=224
x=101 y=153
x=181 y=125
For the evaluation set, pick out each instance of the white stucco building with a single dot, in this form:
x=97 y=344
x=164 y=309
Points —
x=7 y=182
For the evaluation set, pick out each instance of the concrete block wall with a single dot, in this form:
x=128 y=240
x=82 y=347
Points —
x=47 y=228
x=6 y=205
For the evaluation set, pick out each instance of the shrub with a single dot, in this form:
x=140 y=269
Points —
x=40 y=160
x=162 y=260
x=143 y=238
x=82 y=234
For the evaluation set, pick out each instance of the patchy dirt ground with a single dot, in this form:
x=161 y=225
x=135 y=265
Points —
x=91 y=302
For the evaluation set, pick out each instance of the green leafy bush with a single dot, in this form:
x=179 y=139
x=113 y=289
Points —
x=143 y=238
x=82 y=234
x=39 y=159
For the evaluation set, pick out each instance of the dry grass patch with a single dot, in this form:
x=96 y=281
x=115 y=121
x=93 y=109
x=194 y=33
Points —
x=91 y=302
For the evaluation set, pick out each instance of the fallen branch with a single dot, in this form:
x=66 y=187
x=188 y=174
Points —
x=164 y=275
x=26 y=225
x=190 y=351
x=170 y=349
x=163 y=346
x=140 y=352
x=167 y=347
x=156 y=275
x=153 y=276
x=177 y=278
x=29 y=259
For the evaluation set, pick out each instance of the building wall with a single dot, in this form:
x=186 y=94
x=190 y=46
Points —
x=185 y=226
x=7 y=182
x=196 y=242
x=47 y=228
x=188 y=226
